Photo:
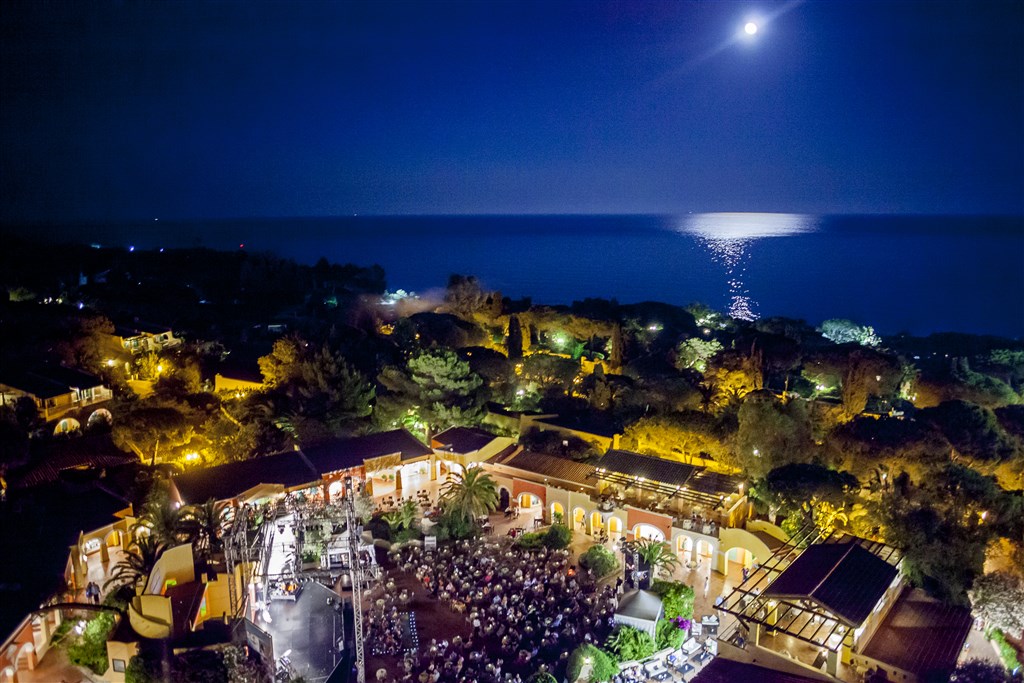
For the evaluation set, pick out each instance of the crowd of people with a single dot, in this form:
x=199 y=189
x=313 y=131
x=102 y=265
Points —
x=384 y=627
x=528 y=609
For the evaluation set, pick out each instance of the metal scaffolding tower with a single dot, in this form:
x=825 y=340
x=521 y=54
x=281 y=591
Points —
x=353 y=533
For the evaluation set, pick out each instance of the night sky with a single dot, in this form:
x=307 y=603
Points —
x=138 y=110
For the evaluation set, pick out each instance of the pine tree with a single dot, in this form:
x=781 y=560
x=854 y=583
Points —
x=514 y=343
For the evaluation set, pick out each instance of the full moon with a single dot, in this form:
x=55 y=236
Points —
x=750 y=28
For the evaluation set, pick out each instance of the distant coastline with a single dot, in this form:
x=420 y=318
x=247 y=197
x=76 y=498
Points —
x=919 y=274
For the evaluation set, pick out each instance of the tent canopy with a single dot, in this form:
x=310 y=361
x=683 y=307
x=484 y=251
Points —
x=639 y=609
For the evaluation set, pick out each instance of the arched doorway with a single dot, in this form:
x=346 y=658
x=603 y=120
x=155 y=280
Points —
x=684 y=547
x=614 y=529
x=579 y=520
x=741 y=557
x=596 y=523
x=648 y=531
x=442 y=469
x=527 y=501
x=113 y=539
x=26 y=657
x=66 y=426
x=557 y=513
x=503 y=498
x=704 y=551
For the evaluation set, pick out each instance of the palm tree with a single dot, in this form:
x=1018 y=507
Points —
x=470 y=494
x=163 y=520
x=205 y=525
x=138 y=562
x=657 y=555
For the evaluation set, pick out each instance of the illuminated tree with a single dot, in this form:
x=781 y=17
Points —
x=657 y=555
x=998 y=598
x=808 y=488
x=550 y=371
x=448 y=392
x=87 y=342
x=867 y=374
x=205 y=525
x=465 y=297
x=941 y=554
x=694 y=353
x=841 y=331
x=281 y=365
x=137 y=563
x=615 y=350
x=602 y=666
x=734 y=375
x=145 y=429
x=680 y=436
x=470 y=494
x=770 y=434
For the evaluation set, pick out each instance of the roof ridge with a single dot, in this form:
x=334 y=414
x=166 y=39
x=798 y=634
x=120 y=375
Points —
x=835 y=565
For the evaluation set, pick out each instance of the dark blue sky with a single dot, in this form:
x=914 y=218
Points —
x=138 y=110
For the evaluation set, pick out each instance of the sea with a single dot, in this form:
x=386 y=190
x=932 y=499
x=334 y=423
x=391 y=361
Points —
x=914 y=274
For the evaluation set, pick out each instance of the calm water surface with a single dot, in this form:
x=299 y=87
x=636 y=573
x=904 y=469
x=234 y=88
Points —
x=917 y=274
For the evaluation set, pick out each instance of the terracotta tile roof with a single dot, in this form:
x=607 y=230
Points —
x=544 y=465
x=650 y=468
x=79 y=452
x=920 y=634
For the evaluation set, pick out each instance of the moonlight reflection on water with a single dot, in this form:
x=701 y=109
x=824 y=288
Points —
x=729 y=237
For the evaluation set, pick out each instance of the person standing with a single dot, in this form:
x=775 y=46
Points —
x=707 y=584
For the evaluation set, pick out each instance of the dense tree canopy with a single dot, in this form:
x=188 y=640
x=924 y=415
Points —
x=814 y=490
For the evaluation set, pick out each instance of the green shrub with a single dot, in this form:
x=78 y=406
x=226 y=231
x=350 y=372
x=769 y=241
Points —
x=1006 y=651
x=143 y=669
x=627 y=643
x=410 y=534
x=531 y=541
x=90 y=648
x=456 y=527
x=667 y=634
x=602 y=666
x=676 y=598
x=558 y=536
x=599 y=560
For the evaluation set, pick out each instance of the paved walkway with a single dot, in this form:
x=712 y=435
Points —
x=55 y=668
